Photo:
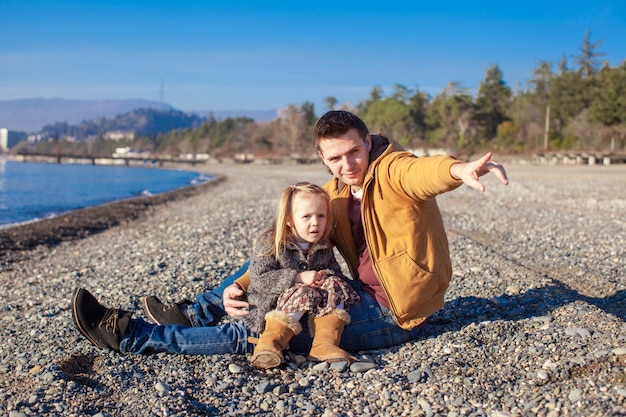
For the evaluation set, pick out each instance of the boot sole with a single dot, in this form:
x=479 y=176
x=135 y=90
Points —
x=147 y=310
x=77 y=321
x=333 y=358
x=266 y=360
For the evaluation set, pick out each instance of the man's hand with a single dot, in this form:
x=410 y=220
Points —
x=233 y=301
x=469 y=172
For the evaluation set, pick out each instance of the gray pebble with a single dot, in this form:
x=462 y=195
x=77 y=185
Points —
x=362 y=366
x=299 y=360
x=234 y=368
x=280 y=389
x=339 y=366
x=263 y=387
x=513 y=289
x=620 y=351
x=575 y=395
x=322 y=366
x=573 y=331
x=162 y=387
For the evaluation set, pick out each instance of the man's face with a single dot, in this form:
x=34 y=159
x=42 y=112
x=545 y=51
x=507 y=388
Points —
x=347 y=157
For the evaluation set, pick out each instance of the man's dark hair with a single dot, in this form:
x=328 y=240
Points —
x=336 y=123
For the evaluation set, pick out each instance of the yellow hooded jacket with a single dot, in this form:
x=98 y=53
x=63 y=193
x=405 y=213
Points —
x=403 y=228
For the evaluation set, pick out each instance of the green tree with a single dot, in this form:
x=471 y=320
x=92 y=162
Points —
x=588 y=60
x=450 y=116
x=567 y=97
x=542 y=81
x=308 y=111
x=401 y=93
x=492 y=102
x=608 y=105
x=295 y=129
x=331 y=102
x=507 y=134
x=563 y=68
x=375 y=95
x=530 y=119
x=391 y=117
x=419 y=103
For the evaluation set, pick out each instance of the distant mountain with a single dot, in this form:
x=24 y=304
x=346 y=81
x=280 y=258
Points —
x=141 y=122
x=30 y=115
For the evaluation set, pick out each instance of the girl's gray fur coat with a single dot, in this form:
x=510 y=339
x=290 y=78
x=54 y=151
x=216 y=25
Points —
x=270 y=277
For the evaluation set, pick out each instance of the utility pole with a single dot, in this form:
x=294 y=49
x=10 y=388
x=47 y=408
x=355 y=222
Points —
x=547 y=128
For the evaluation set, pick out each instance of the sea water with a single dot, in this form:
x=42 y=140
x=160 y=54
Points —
x=31 y=191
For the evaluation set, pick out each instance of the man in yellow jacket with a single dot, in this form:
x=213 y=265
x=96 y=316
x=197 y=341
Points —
x=387 y=225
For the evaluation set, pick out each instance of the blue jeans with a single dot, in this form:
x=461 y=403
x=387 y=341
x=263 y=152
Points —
x=372 y=327
x=202 y=339
x=209 y=306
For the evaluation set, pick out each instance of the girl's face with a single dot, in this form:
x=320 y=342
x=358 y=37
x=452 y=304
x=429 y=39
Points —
x=309 y=213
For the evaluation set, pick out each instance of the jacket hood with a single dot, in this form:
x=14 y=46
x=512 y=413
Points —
x=379 y=145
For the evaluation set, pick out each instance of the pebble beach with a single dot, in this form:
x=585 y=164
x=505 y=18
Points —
x=533 y=323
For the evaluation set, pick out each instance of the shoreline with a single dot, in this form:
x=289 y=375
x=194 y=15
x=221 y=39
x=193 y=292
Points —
x=84 y=222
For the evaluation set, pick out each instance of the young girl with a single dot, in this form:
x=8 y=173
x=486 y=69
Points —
x=293 y=271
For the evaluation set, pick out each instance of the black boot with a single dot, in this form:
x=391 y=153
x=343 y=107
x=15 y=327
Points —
x=166 y=313
x=104 y=327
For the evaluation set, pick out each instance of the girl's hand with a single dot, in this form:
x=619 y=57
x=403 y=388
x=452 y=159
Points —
x=311 y=278
x=320 y=276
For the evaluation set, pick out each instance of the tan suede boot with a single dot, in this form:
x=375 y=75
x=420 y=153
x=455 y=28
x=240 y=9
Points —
x=326 y=331
x=279 y=329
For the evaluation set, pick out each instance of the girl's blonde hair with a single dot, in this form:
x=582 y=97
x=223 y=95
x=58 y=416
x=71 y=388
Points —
x=280 y=232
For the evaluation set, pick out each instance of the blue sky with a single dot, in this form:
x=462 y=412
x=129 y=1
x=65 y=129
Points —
x=233 y=55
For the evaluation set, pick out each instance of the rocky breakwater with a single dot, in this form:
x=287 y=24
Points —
x=533 y=322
